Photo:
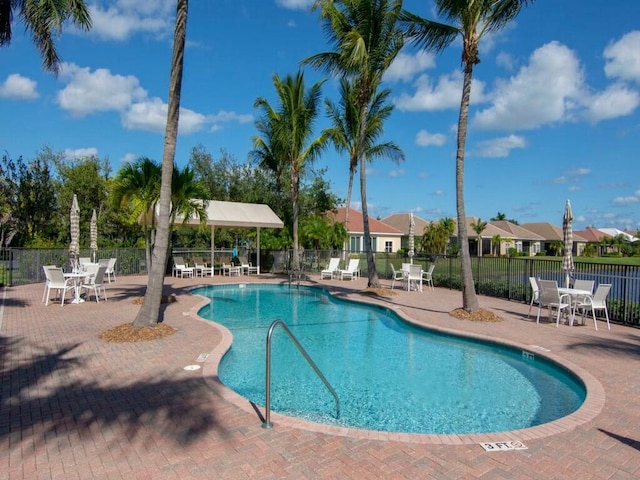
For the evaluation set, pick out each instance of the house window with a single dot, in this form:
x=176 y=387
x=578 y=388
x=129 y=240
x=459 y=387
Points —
x=388 y=247
x=354 y=244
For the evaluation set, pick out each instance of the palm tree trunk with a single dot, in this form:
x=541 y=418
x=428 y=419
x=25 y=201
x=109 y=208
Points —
x=149 y=313
x=348 y=206
x=469 y=298
x=295 y=261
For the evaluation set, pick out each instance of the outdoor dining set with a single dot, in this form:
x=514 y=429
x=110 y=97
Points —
x=578 y=298
x=83 y=277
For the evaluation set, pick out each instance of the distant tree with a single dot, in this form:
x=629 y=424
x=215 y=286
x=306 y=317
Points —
x=499 y=217
x=470 y=20
x=290 y=128
x=556 y=247
x=45 y=20
x=436 y=236
x=479 y=227
x=496 y=240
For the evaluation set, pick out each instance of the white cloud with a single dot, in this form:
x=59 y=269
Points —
x=506 y=61
x=224 y=117
x=295 y=4
x=88 y=92
x=446 y=94
x=626 y=200
x=406 y=66
x=547 y=90
x=425 y=139
x=128 y=17
x=396 y=173
x=622 y=59
x=616 y=101
x=80 y=152
x=499 y=147
x=18 y=87
x=151 y=115
x=128 y=157
x=578 y=172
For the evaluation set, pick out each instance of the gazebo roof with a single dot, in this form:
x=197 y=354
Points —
x=237 y=214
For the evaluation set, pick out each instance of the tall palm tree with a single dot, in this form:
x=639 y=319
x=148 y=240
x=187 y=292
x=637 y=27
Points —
x=366 y=40
x=345 y=131
x=290 y=127
x=45 y=20
x=137 y=189
x=479 y=227
x=471 y=20
x=149 y=313
x=496 y=240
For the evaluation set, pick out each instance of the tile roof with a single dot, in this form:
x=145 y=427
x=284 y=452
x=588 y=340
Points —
x=400 y=221
x=356 y=225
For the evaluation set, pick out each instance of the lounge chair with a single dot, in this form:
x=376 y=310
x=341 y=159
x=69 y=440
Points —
x=247 y=267
x=201 y=268
x=177 y=261
x=229 y=269
x=332 y=268
x=352 y=270
x=183 y=270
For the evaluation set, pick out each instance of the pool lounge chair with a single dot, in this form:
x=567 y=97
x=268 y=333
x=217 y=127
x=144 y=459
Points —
x=351 y=271
x=332 y=268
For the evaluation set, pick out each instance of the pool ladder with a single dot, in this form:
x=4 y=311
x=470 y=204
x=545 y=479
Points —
x=267 y=418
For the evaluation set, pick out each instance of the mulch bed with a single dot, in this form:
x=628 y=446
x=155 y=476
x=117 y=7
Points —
x=480 y=315
x=128 y=333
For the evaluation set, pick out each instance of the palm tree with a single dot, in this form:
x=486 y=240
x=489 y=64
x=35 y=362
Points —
x=150 y=311
x=45 y=21
x=366 y=40
x=470 y=20
x=345 y=131
x=479 y=227
x=137 y=189
x=499 y=217
x=184 y=192
x=289 y=129
x=496 y=240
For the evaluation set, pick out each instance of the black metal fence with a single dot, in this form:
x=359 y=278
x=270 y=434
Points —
x=503 y=277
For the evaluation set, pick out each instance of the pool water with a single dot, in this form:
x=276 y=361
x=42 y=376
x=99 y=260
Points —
x=388 y=374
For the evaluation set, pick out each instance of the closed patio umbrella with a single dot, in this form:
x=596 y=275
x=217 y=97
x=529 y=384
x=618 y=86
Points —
x=74 y=227
x=412 y=225
x=567 y=234
x=93 y=232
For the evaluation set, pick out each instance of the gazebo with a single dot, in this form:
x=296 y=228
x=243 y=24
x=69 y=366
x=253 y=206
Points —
x=236 y=214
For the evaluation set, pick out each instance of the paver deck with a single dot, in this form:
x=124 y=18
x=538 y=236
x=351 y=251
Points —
x=75 y=407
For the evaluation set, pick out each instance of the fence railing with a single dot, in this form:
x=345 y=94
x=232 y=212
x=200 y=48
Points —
x=503 y=277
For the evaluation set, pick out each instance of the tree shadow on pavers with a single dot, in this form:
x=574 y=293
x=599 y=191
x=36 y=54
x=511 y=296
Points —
x=180 y=410
x=626 y=440
x=601 y=344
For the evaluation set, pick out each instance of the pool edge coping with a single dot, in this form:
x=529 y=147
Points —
x=590 y=408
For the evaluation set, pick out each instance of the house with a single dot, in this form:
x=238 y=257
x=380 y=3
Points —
x=553 y=234
x=594 y=237
x=485 y=247
x=401 y=222
x=384 y=238
x=520 y=238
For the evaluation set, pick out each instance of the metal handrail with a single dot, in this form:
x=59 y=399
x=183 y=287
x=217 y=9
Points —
x=267 y=421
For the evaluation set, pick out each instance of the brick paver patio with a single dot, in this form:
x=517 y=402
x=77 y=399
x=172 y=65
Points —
x=75 y=407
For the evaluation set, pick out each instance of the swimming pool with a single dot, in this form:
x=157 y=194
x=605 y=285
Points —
x=389 y=375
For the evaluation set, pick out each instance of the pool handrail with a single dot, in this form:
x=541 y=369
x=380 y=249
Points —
x=267 y=404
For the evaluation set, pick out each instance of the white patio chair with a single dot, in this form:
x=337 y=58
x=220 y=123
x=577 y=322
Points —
x=247 y=267
x=111 y=269
x=535 y=293
x=427 y=276
x=351 y=271
x=415 y=277
x=596 y=302
x=59 y=283
x=177 y=261
x=202 y=269
x=397 y=275
x=332 y=268
x=550 y=298
x=95 y=283
x=47 y=279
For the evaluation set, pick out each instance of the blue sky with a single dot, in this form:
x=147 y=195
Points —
x=554 y=112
